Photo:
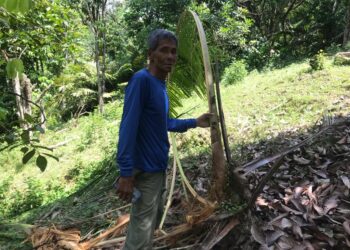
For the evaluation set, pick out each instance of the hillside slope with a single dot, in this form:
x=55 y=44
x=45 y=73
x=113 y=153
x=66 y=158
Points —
x=258 y=109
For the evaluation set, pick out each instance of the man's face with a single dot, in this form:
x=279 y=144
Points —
x=164 y=56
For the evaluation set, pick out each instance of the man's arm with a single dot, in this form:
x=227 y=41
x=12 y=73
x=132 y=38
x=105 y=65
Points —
x=182 y=125
x=133 y=104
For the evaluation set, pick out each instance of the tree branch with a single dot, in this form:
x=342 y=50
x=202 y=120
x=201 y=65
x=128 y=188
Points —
x=5 y=55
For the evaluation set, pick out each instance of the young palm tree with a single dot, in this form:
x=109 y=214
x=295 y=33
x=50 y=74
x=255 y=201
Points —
x=193 y=74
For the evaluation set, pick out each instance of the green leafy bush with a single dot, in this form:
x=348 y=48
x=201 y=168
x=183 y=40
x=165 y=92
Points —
x=76 y=91
x=317 y=62
x=235 y=73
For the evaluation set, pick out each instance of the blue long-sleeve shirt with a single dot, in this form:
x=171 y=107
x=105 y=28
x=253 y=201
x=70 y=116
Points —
x=143 y=135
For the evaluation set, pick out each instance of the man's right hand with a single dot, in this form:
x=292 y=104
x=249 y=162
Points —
x=125 y=188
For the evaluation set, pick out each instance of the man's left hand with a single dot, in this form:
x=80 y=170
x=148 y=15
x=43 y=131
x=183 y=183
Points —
x=203 y=121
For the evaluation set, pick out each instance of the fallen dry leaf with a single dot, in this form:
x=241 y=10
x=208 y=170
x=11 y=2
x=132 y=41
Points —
x=273 y=236
x=319 y=209
x=261 y=202
x=321 y=150
x=257 y=234
x=285 y=223
x=285 y=243
x=301 y=160
x=297 y=231
x=297 y=205
x=346 y=181
x=276 y=220
x=331 y=203
x=346 y=225
x=298 y=191
x=342 y=140
x=288 y=209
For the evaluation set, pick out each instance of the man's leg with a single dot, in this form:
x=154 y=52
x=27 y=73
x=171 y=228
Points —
x=144 y=213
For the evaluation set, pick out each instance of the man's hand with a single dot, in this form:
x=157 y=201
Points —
x=125 y=188
x=203 y=121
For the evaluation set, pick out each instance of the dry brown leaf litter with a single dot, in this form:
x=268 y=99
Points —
x=306 y=204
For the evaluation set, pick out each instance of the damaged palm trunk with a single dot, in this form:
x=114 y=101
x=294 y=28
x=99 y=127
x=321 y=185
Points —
x=219 y=167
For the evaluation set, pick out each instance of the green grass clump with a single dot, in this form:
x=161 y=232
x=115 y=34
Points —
x=317 y=62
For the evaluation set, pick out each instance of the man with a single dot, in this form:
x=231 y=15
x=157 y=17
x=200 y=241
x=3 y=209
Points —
x=143 y=139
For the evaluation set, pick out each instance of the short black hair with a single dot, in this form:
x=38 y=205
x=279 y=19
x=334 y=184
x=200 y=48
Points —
x=157 y=35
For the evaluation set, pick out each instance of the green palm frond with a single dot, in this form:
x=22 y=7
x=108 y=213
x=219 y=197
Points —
x=188 y=77
x=82 y=92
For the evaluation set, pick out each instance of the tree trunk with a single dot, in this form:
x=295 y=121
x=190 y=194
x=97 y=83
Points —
x=346 y=35
x=20 y=109
x=103 y=68
x=27 y=94
x=98 y=71
x=42 y=116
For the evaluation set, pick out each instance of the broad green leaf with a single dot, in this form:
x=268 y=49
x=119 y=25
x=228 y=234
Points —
x=25 y=136
x=28 y=156
x=14 y=67
x=16 y=5
x=52 y=156
x=24 y=150
x=41 y=162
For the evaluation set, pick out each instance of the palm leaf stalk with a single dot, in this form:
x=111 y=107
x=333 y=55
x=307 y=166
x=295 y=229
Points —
x=183 y=176
x=170 y=195
x=185 y=182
